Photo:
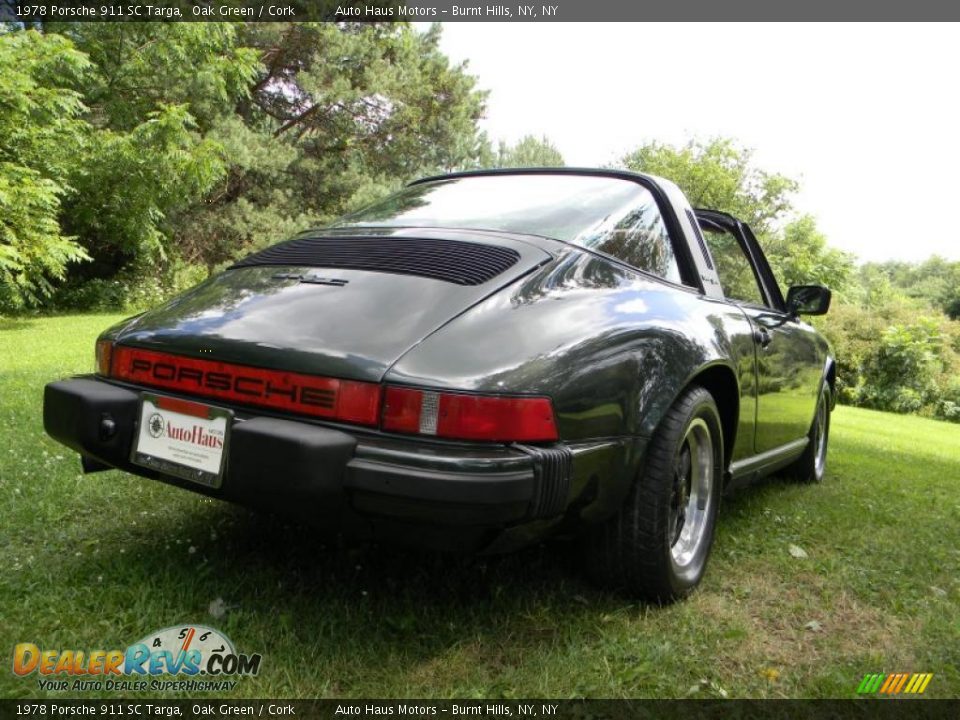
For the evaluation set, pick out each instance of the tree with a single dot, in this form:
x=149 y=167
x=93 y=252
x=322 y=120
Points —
x=800 y=256
x=935 y=281
x=720 y=175
x=154 y=94
x=203 y=140
x=41 y=137
x=529 y=151
x=134 y=183
x=143 y=67
x=338 y=116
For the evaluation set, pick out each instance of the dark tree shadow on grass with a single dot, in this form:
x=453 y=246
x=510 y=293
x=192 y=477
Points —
x=14 y=323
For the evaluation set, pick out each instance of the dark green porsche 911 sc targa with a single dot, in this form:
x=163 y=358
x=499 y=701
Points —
x=476 y=362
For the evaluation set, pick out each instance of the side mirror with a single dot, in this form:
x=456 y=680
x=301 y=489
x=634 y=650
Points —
x=808 y=300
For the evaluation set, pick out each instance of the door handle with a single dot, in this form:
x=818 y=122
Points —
x=763 y=337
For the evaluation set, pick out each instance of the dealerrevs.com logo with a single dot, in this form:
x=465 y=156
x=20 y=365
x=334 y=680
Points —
x=205 y=656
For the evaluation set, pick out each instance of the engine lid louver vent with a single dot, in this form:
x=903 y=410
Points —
x=453 y=261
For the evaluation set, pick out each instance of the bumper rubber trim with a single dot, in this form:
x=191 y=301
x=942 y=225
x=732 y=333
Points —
x=414 y=483
x=553 y=467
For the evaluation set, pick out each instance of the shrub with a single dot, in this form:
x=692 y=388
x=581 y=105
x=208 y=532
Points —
x=901 y=372
x=948 y=408
x=133 y=289
x=888 y=359
x=855 y=332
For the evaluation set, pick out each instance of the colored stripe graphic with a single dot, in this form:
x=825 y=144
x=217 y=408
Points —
x=900 y=683
x=894 y=683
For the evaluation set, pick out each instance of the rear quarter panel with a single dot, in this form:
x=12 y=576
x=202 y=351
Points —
x=611 y=346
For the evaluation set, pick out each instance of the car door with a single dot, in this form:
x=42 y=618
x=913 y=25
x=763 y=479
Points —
x=790 y=360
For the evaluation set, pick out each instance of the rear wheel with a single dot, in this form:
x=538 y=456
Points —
x=811 y=466
x=656 y=547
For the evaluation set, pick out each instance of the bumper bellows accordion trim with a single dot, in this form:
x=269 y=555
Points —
x=553 y=467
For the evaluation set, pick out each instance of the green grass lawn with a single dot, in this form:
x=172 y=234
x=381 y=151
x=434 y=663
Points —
x=99 y=561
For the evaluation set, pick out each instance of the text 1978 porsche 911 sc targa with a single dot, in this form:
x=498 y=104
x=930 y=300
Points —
x=477 y=361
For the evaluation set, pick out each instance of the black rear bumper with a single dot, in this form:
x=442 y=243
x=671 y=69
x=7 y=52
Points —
x=345 y=480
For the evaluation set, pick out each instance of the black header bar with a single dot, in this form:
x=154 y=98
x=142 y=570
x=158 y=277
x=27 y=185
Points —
x=473 y=11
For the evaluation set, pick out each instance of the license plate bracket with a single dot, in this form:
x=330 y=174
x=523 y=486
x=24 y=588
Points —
x=182 y=438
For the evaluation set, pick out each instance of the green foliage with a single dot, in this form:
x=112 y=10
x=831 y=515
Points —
x=854 y=331
x=800 y=255
x=134 y=181
x=899 y=356
x=156 y=92
x=142 y=67
x=936 y=281
x=529 y=151
x=41 y=135
x=338 y=117
x=901 y=370
x=152 y=145
x=948 y=407
x=136 y=288
x=720 y=175
x=873 y=287
x=896 y=344
x=952 y=307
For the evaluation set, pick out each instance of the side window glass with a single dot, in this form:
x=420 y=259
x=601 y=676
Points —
x=737 y=278
x=640 y=239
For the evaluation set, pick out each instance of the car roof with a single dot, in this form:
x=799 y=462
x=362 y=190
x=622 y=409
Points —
x=596 y=172
x=673 y=205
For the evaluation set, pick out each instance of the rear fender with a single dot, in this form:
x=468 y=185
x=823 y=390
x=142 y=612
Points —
x=612 y=347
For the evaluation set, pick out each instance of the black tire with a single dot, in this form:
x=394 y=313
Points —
x=635 y=549
x=812 y=465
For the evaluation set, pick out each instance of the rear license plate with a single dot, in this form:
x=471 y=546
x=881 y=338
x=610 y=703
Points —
x=182 y=438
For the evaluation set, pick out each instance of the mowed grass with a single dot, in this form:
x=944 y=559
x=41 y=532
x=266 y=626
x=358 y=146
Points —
x=99 y=561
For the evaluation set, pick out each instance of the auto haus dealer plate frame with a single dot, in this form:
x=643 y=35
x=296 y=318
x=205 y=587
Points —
x=183 y=438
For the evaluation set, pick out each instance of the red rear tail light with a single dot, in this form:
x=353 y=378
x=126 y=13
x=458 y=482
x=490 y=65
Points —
x=358 y=402
x=104 y=357
x=401 y=410
x=469 y=417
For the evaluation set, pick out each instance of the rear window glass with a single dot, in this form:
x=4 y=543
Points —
x=611 y=215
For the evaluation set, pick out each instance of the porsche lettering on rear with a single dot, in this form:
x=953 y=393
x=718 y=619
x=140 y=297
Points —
x=174 y=374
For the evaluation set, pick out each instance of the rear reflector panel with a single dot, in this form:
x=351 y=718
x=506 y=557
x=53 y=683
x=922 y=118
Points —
x=429 y=412
x=344 y=400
